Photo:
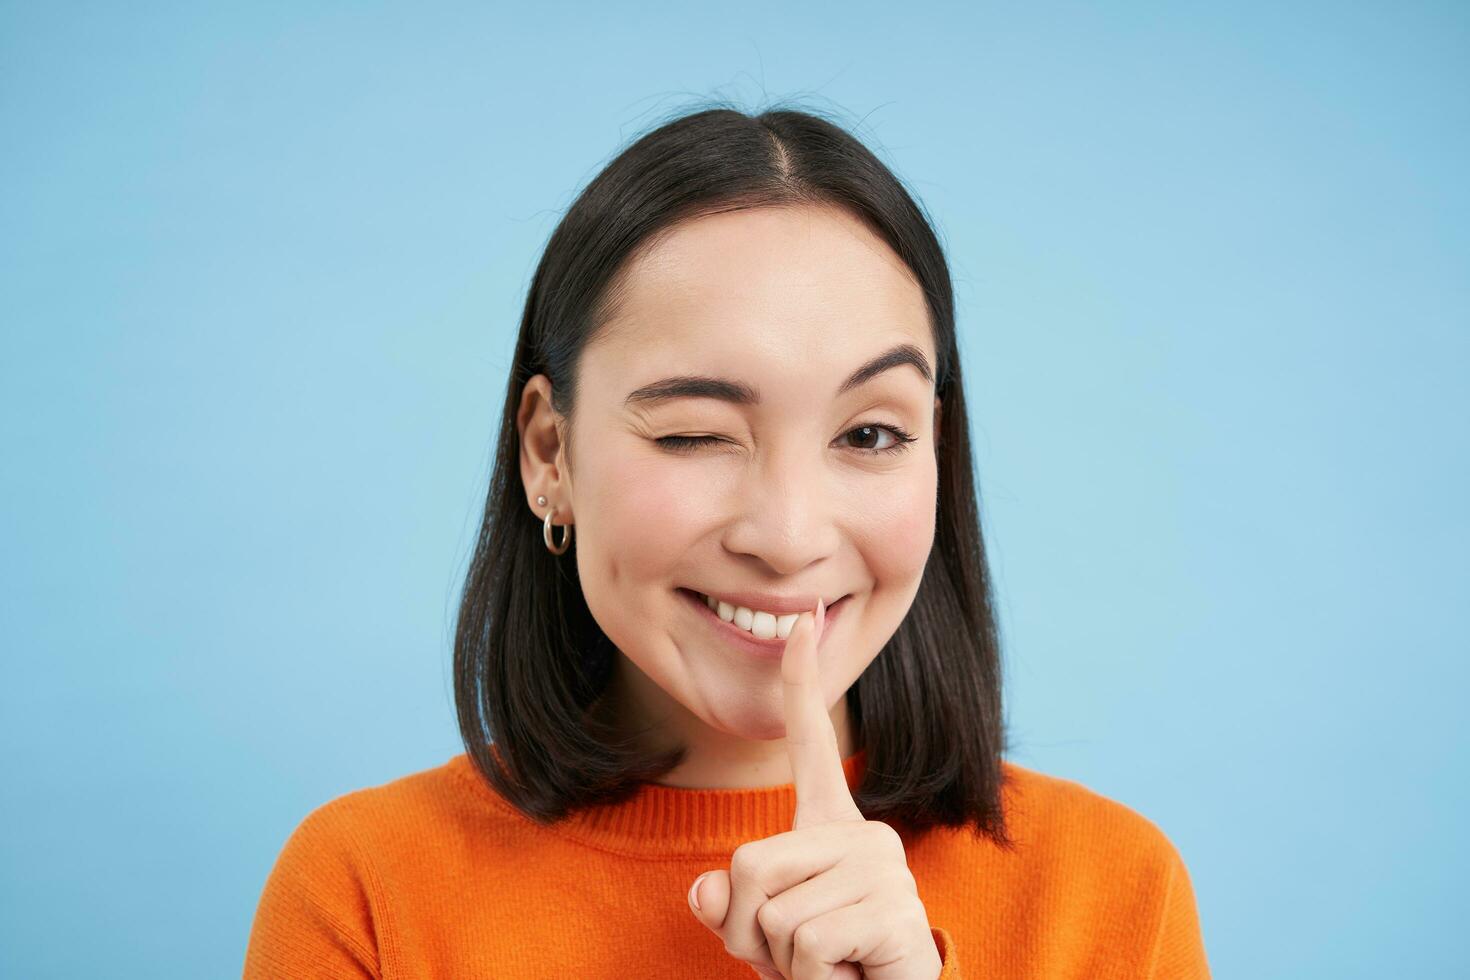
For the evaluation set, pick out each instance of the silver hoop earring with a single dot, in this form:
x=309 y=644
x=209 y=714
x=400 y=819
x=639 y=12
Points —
x=566 y=538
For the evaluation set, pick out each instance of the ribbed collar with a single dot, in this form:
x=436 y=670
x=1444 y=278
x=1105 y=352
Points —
x=670 y=821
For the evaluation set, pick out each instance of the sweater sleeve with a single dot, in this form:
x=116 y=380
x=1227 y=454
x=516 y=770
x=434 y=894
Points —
x=315 y=915
x=948 y=958
x=1179 y=949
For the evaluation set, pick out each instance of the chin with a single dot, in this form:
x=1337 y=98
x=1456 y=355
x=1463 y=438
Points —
x=759 y=721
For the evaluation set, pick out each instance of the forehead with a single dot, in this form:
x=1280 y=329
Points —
x=763 y=286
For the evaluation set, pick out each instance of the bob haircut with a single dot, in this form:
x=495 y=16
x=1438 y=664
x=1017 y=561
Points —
x=530 y=662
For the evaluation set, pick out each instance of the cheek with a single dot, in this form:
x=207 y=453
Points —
x=641 y=515
x=898 y=531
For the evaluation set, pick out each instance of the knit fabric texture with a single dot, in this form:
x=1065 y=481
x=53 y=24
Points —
x=434 y=875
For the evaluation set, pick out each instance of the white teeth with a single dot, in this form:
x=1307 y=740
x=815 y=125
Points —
x=763 y=625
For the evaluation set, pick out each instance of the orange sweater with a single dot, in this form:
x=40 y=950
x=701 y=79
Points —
x=435 y=875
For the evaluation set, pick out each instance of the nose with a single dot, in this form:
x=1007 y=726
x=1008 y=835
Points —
x=785 y=516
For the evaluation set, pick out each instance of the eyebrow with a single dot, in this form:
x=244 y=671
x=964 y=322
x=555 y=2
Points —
x=740 y=393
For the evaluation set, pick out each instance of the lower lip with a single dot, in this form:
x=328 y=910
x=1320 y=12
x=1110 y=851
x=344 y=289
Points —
x=747 y=641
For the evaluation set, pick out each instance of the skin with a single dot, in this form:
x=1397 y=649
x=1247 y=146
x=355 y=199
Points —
x=790 y=499
x=794 y=495
x=833 y=898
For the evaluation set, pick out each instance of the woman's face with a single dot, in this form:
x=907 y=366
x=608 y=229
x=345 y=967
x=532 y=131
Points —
x=790 y=494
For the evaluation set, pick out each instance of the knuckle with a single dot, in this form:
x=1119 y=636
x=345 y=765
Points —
x=909 y=882
x=898 y=944
x=744 y=863
x=807 y=938
x=772 y=918
x=917 y=919
x=738 y=952
x=886 y=835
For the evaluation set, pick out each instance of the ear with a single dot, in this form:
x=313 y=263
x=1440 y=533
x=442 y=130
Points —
x=937 y=407
x=542 y=452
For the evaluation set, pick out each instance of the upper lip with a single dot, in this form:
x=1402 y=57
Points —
x=770 y=602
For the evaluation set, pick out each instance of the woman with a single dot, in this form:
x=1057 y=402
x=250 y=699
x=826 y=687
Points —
x=750 y=720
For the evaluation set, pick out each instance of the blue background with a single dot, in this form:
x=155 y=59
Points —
x=261 y=268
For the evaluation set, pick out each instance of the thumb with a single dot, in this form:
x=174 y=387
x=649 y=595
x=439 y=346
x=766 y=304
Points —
x=709 y=898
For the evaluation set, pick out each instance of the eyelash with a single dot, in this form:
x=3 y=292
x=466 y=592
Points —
x=687 y=444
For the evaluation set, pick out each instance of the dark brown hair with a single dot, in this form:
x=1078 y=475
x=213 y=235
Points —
x=529 y=659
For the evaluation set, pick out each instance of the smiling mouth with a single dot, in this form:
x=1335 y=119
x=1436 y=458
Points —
x=744 y=634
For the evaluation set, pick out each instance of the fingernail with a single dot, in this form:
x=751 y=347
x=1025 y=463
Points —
x=821 y=617
x=694 y=891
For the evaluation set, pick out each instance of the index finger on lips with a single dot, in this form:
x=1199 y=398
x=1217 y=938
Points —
x=822 y=795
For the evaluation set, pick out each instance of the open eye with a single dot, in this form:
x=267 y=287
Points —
x=900 y=438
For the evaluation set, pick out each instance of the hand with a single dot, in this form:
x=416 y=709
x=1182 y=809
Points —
x=835 y=892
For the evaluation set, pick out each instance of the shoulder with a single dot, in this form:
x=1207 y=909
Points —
x=328 y=904
x=1064 y=821
x=333 y=836
x=346 y=853
x=1111 y=873
x=412 y=816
